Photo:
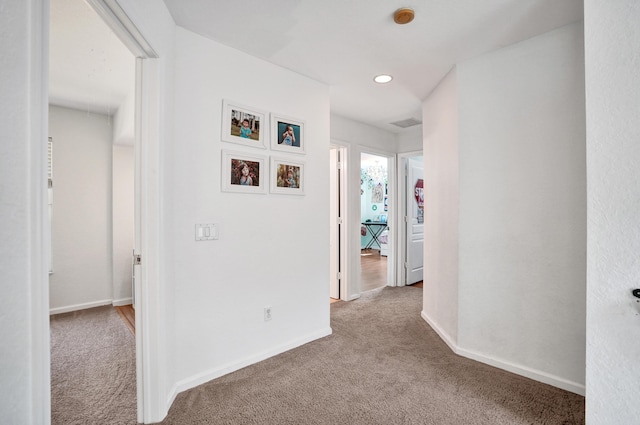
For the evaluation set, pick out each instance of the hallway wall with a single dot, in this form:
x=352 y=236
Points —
x=523 y=206
x=613 y=152
x=82 y=209
x=273 y=249
x=441 y=199
x=521 y=252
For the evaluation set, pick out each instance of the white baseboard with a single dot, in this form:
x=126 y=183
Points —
x=123 y=301
x=441 y=333
x=527 y=372
x=209 y=375
x=76 y=307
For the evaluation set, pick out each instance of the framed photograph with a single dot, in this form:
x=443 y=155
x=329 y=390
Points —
x=243 y=173
x=287 y=134
x=287 y=176
x=243 y=125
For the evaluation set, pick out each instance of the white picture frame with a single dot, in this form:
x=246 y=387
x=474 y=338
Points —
x=287 y=176
x=295 y=141
x=233 y=115
x=233 y=179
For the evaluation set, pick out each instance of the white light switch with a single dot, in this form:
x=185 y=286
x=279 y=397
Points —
x=206 y=232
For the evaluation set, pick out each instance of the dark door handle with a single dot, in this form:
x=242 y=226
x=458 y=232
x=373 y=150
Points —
x=636 y=293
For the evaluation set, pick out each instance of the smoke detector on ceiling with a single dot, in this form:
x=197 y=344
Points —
x=409 y=122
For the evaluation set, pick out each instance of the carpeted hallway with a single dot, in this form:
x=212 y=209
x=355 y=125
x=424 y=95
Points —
x=382 y=365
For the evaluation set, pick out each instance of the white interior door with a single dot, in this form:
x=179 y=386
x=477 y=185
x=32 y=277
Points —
x=334 y=227
x=415 y=221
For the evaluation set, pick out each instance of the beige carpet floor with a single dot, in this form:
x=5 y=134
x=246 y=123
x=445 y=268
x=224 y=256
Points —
x=382 y=365
x=93 y=369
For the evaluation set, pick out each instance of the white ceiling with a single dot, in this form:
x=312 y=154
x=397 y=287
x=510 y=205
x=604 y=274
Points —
x=345 y=43
x=342 y=43
x=89 y=67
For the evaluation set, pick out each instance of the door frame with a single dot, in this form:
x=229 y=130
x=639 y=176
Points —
x=150 y=400
x=392 y=214
x=338 y=218
x=403 y=159
x=342 y=241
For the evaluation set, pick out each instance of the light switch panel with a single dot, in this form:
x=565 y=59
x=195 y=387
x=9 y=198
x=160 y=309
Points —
x=206 y=232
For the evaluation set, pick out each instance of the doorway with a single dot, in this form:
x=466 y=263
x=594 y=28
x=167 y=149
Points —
x=91 y=123
x=375 y=246
x=411 y=237
x=143 y=106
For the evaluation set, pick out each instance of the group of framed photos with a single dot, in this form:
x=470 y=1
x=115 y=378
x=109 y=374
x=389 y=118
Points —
x=248 y=173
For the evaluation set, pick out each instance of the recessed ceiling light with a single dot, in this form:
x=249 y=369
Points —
x=384 y=78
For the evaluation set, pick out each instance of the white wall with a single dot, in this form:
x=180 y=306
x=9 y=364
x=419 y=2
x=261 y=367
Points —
x=523 y=207
x=81 y=228
x=124 y=122
x=613 y=243
x=440 y=276
x=123 y=222
x=409 y=140
x=24 y=318
x=354 y=132
x=273 y=249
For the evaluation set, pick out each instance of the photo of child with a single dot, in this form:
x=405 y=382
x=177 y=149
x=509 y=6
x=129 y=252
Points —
x=245 y=125
x=289 y=134
x=245 y=131
x=245 y=173
x=288 y=176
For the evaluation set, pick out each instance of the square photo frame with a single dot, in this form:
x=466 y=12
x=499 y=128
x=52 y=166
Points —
x=243 y=125
x=287 y=176
x=287 y=134
x=244 y=173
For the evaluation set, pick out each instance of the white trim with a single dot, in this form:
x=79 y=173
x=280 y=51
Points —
x=150 y=355
x=116 y=18
x=76 y=307
x=211 y=374
x=122 y=301
x=334 y=224
x=346 y=264
x=441 y=333
x=524 y=371
x=527 y=372
x=37 y=122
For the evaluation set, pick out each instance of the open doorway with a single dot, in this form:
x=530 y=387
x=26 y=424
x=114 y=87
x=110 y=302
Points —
x=91 y=122
x=94 y=114
x=375 y=245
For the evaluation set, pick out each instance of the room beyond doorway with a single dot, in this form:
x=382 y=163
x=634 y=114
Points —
x=374 y=269
x=374 y=213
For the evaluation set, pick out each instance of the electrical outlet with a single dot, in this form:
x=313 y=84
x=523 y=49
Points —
x=267 y=314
